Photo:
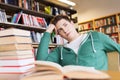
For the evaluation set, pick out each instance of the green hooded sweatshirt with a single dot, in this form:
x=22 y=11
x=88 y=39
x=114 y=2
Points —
x=91 y=53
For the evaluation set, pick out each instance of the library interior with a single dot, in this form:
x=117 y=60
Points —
x=59 y=40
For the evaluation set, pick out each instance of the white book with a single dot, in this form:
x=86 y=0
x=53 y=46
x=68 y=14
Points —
x=14 y=40
x=14 y=31
x=10 y=47
x=17 y=62
x=20 y=69
x=17 y=52
x=13 y=57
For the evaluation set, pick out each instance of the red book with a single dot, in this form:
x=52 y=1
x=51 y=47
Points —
x=42 y=22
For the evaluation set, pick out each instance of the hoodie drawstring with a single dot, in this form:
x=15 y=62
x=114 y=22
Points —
x=92 y=43
x=61 y=53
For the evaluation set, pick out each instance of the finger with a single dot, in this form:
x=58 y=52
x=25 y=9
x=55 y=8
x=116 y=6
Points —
x=56 y=31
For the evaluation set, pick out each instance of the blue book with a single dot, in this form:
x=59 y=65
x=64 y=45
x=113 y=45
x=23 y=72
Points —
x=14 y=18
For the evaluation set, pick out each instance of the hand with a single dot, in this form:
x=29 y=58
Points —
x=50 y=28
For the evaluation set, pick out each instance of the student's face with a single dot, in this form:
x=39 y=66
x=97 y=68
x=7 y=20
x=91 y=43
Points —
x=65 y=29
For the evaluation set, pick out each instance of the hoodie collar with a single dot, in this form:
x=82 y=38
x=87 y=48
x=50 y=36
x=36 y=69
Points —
x=92 y=43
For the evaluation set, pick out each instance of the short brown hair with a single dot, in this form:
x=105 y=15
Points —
x=59 y=17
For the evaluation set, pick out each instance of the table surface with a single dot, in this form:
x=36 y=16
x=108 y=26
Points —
x=113 y=74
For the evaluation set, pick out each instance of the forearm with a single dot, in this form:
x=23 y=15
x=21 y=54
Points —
x=42 y=52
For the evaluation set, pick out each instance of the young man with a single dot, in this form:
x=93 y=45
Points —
x=87 y=49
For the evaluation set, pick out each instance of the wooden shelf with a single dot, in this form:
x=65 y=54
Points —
x=112 y=33
x=53 y=45
x=72 y=11
x=108 y=25
x=21 y=26
x=86 y=30
x=14 y=9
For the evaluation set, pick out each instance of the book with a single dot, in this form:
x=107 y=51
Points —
x=3 y=16
x=12 y=57
x=42 y=22
x=12 y=2
x=17 y=53
x=16 y=17
x=45 y=70
x=16 y=62
x=10 y=47
x=14 y=31
x=16 y=69
x=33 y=36
x=14 y=39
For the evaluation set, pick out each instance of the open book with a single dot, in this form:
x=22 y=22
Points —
x=46 y=70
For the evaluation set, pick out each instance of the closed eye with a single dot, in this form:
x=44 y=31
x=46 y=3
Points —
x=59 y=30
x=64 y=24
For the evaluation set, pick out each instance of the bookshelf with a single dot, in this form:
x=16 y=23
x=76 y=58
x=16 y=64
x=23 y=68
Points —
x=34 y=8
x=118 y=22
x=107 y=24
x=11 y=9
x=22 y=24
x=71 y=11
x=85 y=26
x=58 y=9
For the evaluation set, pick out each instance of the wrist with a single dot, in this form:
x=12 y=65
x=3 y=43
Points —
x=48 y=31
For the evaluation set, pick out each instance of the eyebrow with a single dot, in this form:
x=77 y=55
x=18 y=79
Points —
x=64 y=24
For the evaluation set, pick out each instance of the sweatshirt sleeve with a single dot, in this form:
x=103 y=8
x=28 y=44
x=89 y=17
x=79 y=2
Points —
x=108 y=43
x=42 y=52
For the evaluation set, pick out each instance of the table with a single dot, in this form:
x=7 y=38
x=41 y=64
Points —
x=114 y=76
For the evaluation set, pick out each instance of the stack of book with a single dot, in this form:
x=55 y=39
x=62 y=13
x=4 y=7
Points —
x=16 y=54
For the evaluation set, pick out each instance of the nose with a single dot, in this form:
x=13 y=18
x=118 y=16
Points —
x=65 y=29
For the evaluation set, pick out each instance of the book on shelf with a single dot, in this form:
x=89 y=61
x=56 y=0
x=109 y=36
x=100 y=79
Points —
x=48 y=10
x=15 y=39
x=45 y=70
x=39 y=36
x=10 y=47
x=16 y=17
x=14 y=31
x=3 y=16
x=30 y=20
x=33 y=36
x=36 y=36
x=16 y=69
x=41 y=22
x=25 y=19
x=12 y=2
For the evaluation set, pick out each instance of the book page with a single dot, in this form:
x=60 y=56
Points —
x=48 y=66
x=70 y=68
x=82 y=72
